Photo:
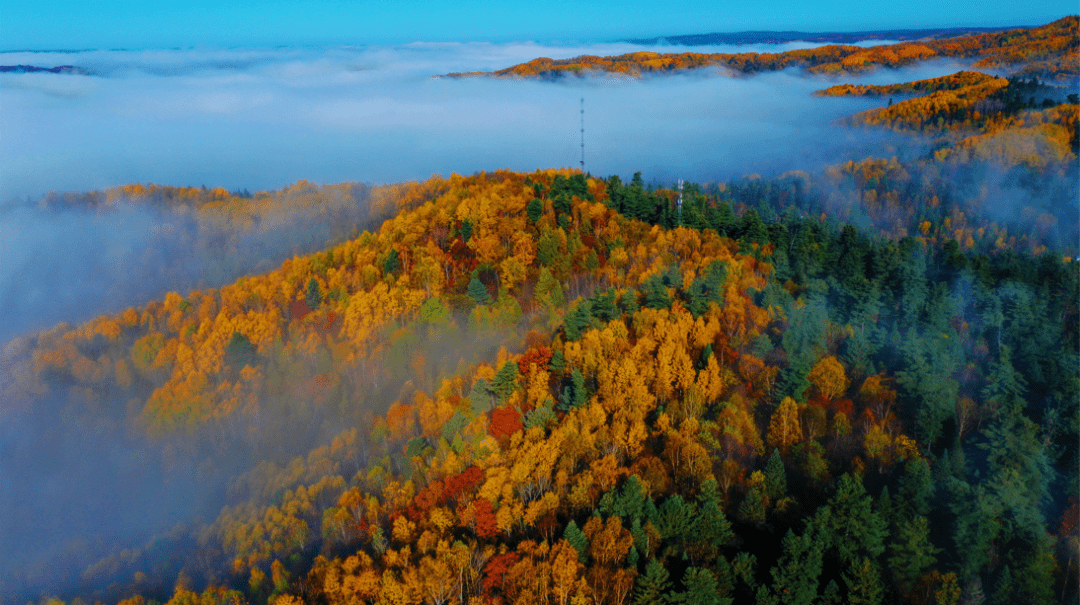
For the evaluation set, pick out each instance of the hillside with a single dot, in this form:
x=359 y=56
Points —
x=582 y=405
x=1049 y=52
x=853 y=386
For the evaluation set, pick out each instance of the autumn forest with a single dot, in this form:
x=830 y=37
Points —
x=858 y=384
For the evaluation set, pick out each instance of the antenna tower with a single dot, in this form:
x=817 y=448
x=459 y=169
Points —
x=680 y=201
x=582 y=134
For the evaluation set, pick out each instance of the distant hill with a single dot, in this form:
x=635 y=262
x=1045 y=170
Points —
x=1048 y=52
x=30 y=69
x=772 y=37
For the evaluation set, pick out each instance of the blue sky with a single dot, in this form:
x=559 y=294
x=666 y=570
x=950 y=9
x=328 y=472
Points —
x=73 y=24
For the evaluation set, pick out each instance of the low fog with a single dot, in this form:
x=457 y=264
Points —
x=261 y=119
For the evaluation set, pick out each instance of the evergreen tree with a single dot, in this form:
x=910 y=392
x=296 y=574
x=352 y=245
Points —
x=655 y=294
x=916 y=489
x=707 y=288
x=831 y=596
x=864 y=583
x=1035 y=583
x=627 y=502
x=677 y=522
x=752 y=509
x=505 y=380
x=534 y=210
x=548 y=289
x=313 y=298
x=849 y=522
x=558 y=362
x=573 y=394
x=604 y=307
x=392 y=264
x=725 y=577
x=240 y=352
x=976 y=527
x=1005 y=588
x=775 y=477
x=651 y=588
x=913 y=553
x=884 y=506
x=724 y=220
x=803 y=343
x=479 y=292
x=927 y=381
x=713 y=527
x=641 y=538
x=578 y=321
x=701 y=588
x=628 y=302
x=577 y=539
x=795 y=577
x=1020 y=470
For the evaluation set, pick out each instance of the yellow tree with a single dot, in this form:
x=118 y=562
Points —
x=784 y=426
x=829 y=378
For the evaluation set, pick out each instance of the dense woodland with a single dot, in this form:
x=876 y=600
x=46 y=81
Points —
x=1051 y=52
x=858 y=386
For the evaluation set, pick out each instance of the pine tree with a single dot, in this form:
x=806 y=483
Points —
x=701 y=588
x=479 y=292
x=707 y=288
x=549 y=291
x=795 y=577
x=916 y=489
x=392 y=263
x=578 y=321
x=713 y=527
x=1005 y=588
x=656 y=295
x=604 y=307
x=913 y=553
x=534 y=209
x=864 y=583
x=505 y=380
x=313 y=298
x=884 y=506
x=573 y=394
x=678 y=522
x=831 y=596
x=627 y=502
x=849 y=522
x=577 y=539
x=651 y=588
x=976 y=527
x=775 y=477
x=752 y=509
x=725 y=577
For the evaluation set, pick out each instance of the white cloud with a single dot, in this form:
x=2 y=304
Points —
x=262 y=118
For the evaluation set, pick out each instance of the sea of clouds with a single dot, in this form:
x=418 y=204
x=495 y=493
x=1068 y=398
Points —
x=263 y=118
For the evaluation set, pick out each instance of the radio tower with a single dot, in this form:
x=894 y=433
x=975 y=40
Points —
x=582 y=134
x=680 y=201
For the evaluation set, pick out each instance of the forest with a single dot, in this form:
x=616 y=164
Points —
x=1050 y=52
x=853 y=386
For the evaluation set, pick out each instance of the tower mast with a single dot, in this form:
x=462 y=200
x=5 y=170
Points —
x=582 y=134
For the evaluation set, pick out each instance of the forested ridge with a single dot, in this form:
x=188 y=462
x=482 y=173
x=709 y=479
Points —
x=742 y=409
x=1050 y=51
x=857 y=386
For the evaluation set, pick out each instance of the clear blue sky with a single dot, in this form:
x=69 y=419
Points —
x=74 y=24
